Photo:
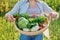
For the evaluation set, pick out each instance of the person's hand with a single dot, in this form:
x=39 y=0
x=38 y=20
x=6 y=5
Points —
x=54 y=15
x=9 y=17
x=32 y=15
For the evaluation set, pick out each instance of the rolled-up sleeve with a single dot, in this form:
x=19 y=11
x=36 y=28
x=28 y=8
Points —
x=14 y=9
x=46 y=8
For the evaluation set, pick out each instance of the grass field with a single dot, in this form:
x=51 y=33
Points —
x=8 y=32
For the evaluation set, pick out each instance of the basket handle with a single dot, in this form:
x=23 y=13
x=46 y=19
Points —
x=16 y=26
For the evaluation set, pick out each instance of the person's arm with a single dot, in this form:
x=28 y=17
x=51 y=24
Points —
x=9 y=15
x=49 y=11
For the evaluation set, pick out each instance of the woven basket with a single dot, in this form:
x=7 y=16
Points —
x=34 y=32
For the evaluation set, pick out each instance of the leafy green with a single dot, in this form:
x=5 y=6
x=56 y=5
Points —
x=31 y=20
x=25 y=15
x=22 y=23
x=40 y=19
x=25 y=22
x=16 y=15
x=30 y=25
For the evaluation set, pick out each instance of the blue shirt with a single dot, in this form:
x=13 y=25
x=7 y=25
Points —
x=22 y=7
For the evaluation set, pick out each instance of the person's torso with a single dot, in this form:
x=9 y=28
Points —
x=34 y=10
x=38 y=9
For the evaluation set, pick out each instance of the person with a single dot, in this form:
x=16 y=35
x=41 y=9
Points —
x=33 y=8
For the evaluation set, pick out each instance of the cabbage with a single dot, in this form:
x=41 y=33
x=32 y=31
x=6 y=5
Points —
x=22 y=23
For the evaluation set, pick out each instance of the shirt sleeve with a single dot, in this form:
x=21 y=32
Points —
x=14 y=9
x=46 y=8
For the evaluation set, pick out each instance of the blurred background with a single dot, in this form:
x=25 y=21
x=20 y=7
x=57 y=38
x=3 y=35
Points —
x=7 y=30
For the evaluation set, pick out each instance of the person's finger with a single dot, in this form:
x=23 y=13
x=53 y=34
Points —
x=9 y=19
x=54 y=16
x=12 y=18
x=32 y=15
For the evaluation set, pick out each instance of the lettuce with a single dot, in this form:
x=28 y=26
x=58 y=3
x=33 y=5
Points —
x=22 y=22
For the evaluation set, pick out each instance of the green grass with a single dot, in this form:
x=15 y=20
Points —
x=54 y=29
x=8 y=32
